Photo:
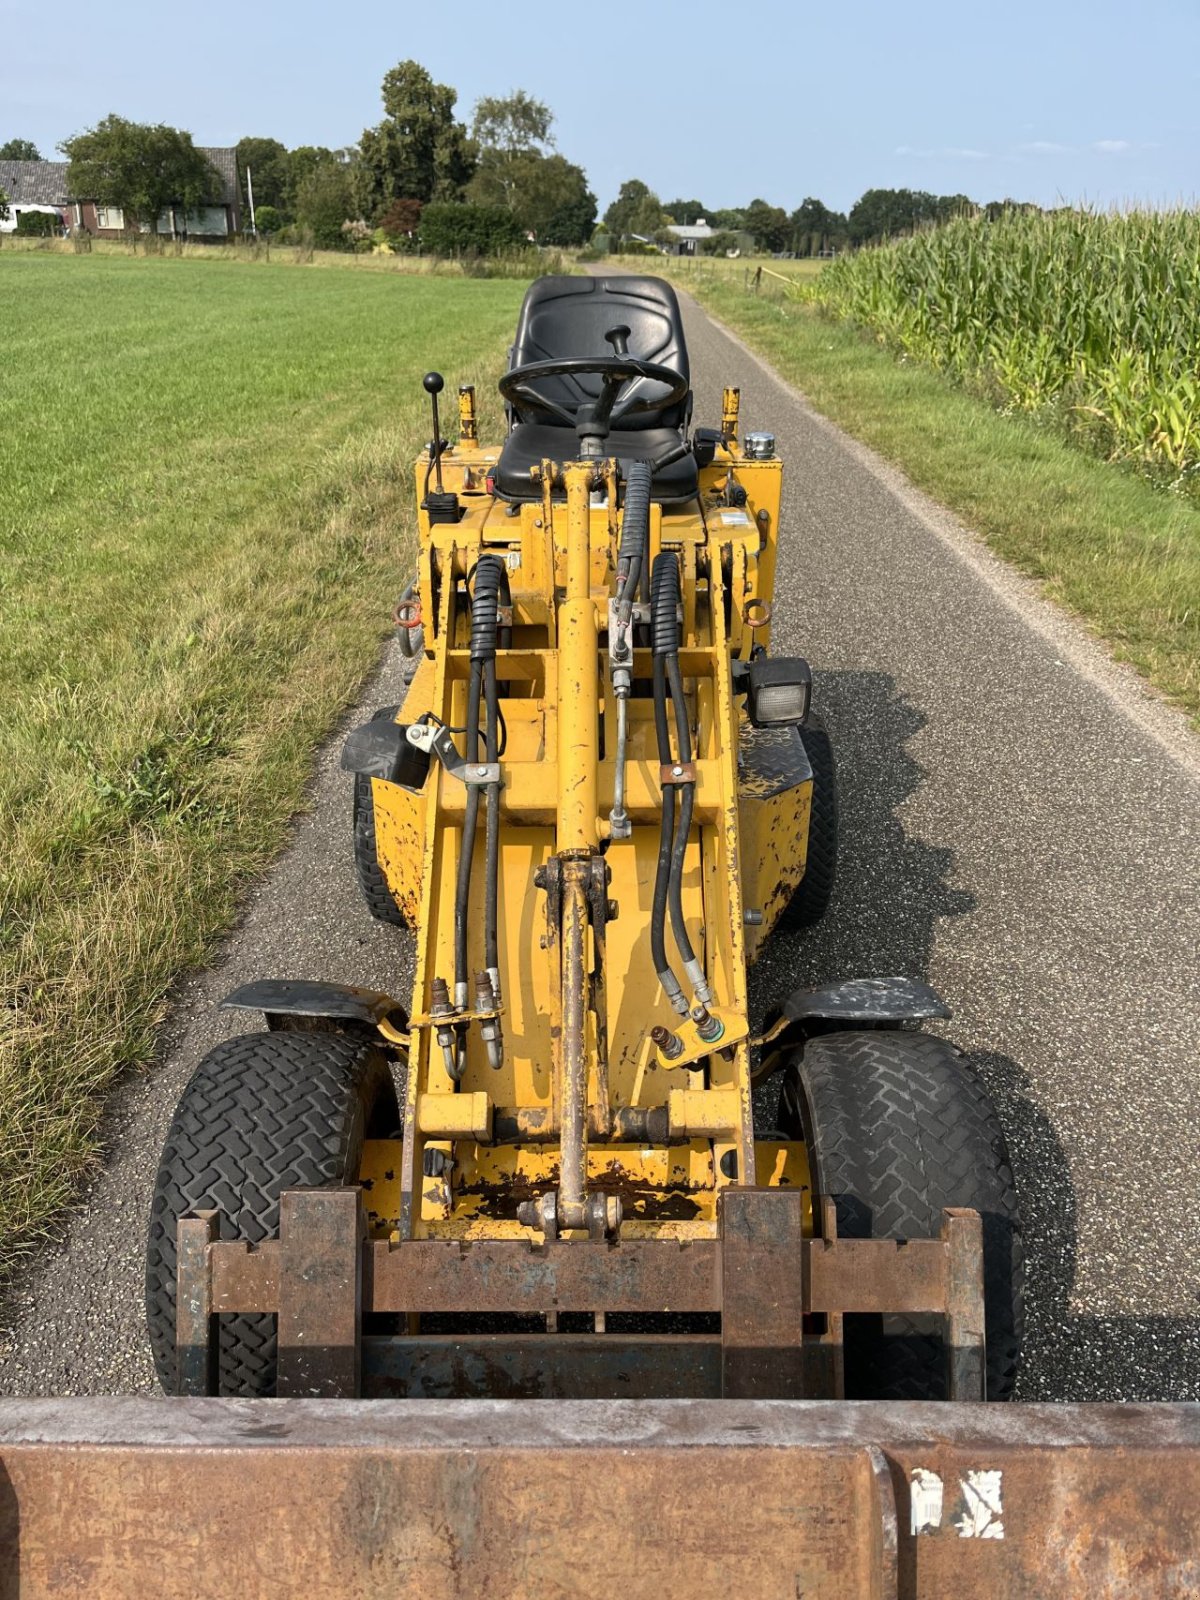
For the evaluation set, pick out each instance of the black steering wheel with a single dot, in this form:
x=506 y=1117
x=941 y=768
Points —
x=594 y=418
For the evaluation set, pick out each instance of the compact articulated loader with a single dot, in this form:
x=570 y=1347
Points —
x=602 y=794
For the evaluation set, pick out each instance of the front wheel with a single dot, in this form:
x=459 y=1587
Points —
x=897 y=1128
x=262 y=1113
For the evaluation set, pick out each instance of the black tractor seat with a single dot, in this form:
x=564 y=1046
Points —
x=531 y=443
x=568 y=317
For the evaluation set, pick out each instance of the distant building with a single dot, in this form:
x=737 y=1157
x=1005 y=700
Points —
x=33 y=186
x=687 y=237
x=42 y=186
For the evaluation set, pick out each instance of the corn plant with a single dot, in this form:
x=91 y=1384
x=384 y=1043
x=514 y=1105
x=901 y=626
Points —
x=1091 y=319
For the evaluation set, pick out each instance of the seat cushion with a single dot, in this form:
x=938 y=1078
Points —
x=564 y=316
x=531 y=443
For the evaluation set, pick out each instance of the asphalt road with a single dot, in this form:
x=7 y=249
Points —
x=1021 y=825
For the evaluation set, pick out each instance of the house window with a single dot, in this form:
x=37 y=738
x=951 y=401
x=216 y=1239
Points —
x=110 y=217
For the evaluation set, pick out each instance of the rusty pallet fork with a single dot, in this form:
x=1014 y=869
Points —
x=557 y=1318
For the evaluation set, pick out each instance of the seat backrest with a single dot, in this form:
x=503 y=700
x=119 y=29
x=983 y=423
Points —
x=570 y=316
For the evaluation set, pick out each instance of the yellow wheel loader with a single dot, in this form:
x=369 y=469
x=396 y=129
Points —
x=565 y=1275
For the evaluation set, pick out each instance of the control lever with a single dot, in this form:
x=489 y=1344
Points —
x=439 y=506
x=618 y=337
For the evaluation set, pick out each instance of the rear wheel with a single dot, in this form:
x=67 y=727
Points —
x=372 y=881
x=262 y=1113
x=811 y=900
x=898 y=1127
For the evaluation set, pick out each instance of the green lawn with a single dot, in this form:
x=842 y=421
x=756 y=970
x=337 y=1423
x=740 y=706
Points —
x=1120 y=553
x=205 y=518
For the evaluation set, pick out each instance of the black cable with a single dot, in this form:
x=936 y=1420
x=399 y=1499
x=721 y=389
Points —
x=662 y=875
x=492 y=837
x=664 y=627
x=488 y=571
x=462 y=891
x=687 y=801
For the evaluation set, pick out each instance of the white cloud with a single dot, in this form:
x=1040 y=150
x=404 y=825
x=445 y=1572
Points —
x=1044 y=147
x=1111 y=147
x=948 y=152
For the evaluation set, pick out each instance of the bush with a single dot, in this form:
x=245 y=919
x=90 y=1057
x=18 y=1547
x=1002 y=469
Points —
x=461 y=230
x=268 y=219
x=401 y=224
x=38 y=225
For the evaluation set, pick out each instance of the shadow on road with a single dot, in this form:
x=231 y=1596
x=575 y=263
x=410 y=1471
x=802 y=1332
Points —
x=892 y=891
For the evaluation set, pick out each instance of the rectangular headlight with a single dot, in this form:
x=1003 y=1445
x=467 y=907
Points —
x=779 y=691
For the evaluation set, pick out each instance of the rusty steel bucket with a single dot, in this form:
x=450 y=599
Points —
x=814 y=1499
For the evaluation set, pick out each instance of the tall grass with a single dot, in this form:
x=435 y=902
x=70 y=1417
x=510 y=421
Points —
x=206 y=496
x=1092 y=320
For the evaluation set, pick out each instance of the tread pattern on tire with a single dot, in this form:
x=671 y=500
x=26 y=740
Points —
x=899 y=1127
x=815 y=890
x=262 y=1113
x=372 y=882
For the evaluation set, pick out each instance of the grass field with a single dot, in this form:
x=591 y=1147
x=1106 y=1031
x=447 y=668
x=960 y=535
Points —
x=1121 y=553
x=205 y=500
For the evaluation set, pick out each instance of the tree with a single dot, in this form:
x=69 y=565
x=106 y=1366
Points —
x=402 y=219
x=324 y=200
x=637 y=209
x=686 y=212
x=888 y=213
x=767 y=225
x=574 y=217
x=733 y=221
x=815 y=228
x=301 y=164
x=3 y=206
x=519 y=171
x=418 y=151
x=269 y=166
x=269 y=219
x=143 y=168
x=514 y=124
x=19 y=150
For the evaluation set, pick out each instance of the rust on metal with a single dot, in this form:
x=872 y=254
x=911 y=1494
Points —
x=266 y=1499
x=762 y=1300
x=320 y=1292
x=763 y=1276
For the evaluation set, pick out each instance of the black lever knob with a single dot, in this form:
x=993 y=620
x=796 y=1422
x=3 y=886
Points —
x=434 y=382
x=618 y=337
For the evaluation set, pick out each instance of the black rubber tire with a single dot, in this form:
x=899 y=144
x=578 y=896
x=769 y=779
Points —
x=897 y=1127
x=262 y=1113
x=815 y=890
x=372 y=882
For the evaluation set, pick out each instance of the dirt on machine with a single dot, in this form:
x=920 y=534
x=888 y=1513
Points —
x=564 y=1273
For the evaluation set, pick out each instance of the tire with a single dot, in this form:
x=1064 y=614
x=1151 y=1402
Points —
x=897 y=1127
x=262 y=1113
x=372 y=882
x=815 y=890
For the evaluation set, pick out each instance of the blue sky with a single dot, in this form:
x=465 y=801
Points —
x=724 y=102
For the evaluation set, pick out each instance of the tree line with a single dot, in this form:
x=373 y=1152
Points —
x=812 y=229
x=419 y=178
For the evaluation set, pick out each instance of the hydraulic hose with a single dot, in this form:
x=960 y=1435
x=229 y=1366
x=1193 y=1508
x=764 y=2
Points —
x=687 y=801
x=489 y=574
x=635 y=532
x=664 y=626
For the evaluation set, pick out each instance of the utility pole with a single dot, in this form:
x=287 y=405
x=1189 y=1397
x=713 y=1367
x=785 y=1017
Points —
x=250 y=195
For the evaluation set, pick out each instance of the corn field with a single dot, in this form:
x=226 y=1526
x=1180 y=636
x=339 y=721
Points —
x=1090 y=320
